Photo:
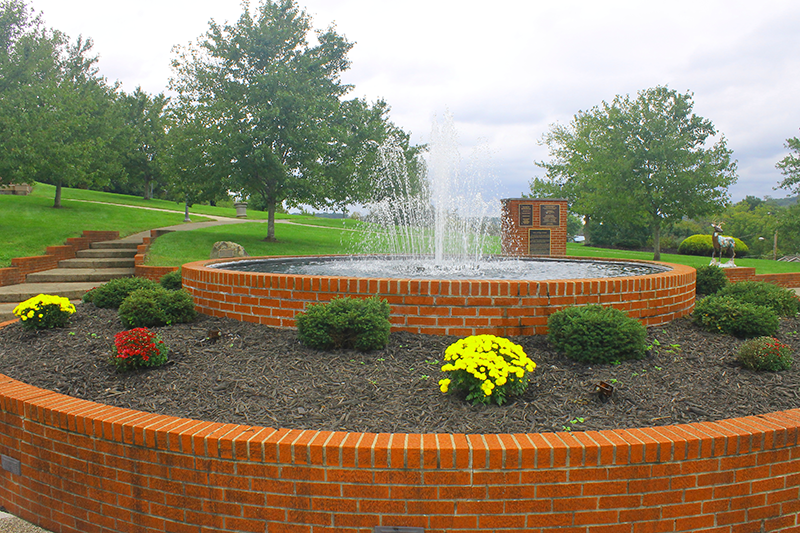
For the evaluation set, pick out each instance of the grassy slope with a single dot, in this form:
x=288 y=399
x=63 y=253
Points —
x=29 y=224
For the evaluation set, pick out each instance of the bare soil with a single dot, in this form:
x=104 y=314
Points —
x=262 y=376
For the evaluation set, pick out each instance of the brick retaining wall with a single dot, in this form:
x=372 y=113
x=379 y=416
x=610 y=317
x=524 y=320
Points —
x=22 y=266
x=440 y=307
x=85 y=467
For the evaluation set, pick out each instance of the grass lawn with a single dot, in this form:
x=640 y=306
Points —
x=29 y=224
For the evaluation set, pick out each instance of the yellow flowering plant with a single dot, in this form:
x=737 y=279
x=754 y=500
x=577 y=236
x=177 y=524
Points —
x=44 y=311
x=488 y=368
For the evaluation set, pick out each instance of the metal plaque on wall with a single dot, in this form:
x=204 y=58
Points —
x=526 y=215
x=549 y=215
x=539 y=242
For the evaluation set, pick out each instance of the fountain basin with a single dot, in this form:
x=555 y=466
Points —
x=441 y=306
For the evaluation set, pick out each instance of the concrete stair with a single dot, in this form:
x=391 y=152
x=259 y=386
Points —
x=104 y=261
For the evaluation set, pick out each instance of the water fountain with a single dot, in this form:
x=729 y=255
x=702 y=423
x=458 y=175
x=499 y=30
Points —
x=424 y=252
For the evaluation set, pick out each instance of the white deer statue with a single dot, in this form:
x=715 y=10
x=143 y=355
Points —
x=722 y=243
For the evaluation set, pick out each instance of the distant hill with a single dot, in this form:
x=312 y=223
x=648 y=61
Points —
x=785 y=202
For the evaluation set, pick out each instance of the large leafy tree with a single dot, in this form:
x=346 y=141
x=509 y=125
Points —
x=58 y=117
x=648 y=160
x=790 y=166
x=272 y=100
x=144 y=118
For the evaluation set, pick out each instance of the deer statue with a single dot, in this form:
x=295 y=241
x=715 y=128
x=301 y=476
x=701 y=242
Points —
x=721 y=244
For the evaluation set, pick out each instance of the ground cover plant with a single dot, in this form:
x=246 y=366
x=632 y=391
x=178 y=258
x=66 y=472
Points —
x=253 y=374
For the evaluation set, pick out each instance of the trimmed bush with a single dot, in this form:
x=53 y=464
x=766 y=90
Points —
x=596 y=334
x=156 y=306
x=710 y=279
x=765 y=353
x=171 y=281
x=345 y=323
x=726 y=314
x=783 y=301
x=702 y=245
x=111 y=294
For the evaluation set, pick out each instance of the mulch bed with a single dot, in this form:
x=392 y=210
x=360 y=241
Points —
x=262 y=376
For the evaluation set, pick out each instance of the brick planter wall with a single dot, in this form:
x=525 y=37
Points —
x=75 y=466
x=440 y=307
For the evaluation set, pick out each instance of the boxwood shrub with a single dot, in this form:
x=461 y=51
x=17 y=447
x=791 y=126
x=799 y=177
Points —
x=728 y=314
x=596 y=334
x=710 y=279
x=783 y=301
x=345 y=323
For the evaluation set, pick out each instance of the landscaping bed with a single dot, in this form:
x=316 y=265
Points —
x=262 y=376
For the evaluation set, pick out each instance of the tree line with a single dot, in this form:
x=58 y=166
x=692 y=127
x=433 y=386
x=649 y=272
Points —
x=257 y=108
x=638 y=169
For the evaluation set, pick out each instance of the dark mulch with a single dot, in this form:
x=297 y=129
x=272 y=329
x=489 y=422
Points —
x=262 y=376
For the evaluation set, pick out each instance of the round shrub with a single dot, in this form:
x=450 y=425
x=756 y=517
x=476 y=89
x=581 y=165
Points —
x=156 y=306
x=488 y=368
x=171 y=281
x=783 y=301
x=765 y=353
x=726 y=314
x=596 y=334
x=111 y=294
x=702 y=245
x=345 y=323
x=710 y=279
x=141 y=308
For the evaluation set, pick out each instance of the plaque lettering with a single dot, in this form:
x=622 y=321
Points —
x=526 y=215
x=549 y=215
x=539 y=242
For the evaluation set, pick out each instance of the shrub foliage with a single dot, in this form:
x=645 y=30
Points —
x=171 y=281
x=345 y=323
x=765 y=353
x=703 y=245
x=111 y=294
x=783 y=301
x=710 y=279
x=156 y=306
x=728 y=314
x=596 y=334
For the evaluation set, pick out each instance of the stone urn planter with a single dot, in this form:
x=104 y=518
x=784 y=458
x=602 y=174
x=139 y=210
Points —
x=241 y=209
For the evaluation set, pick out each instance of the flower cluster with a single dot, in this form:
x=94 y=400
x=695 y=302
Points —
x=44 y=311
x=765 y=353
x=488 y=368
x=138 y=347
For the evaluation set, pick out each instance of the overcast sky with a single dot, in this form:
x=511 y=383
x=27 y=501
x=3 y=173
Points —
x=507 y=69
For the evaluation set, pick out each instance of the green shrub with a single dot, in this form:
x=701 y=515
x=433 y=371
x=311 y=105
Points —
x=726 y=314
x=345 y=323
x=765 y=353
x=595 y=334
x=171 y=281
x=783 y=301
x=156 y=306
x=710 y=279
x=111 y=294
x=702 y=245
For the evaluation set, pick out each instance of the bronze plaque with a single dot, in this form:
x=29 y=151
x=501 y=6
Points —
x=526 y=215
x=539 y=242
x=549 y=215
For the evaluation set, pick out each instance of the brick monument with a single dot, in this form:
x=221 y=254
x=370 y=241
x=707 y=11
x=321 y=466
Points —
x=534 y=227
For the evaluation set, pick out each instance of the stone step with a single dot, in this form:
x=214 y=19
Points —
x=19 y=293
x=107 y=252
x=72 y=275
x=98 y=262
x=106 y=245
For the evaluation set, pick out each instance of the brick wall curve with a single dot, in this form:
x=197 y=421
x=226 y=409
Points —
x=441 y=307
x=76 y=466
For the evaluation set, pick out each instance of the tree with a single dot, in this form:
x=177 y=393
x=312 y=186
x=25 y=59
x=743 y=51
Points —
x=144 y=117
x=647 y=161
x=58 y=119
x=273 y=103
x=790 y=166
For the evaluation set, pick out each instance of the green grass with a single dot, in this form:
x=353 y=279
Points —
x=29 y=224
x=177 y=248
x=762 y=266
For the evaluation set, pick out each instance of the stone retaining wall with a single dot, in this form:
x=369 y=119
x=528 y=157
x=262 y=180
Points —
x=75 y=466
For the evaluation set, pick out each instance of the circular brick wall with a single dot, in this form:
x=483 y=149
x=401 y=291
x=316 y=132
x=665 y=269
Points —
x=440 y=307
x=74 y=466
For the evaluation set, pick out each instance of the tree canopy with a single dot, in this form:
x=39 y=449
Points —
x=269 y=92
x=790 y=166
x=648 y=161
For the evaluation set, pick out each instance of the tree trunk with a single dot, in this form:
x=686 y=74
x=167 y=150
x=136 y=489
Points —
x=270 y=221
x=57 y=201
x=657 y=239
